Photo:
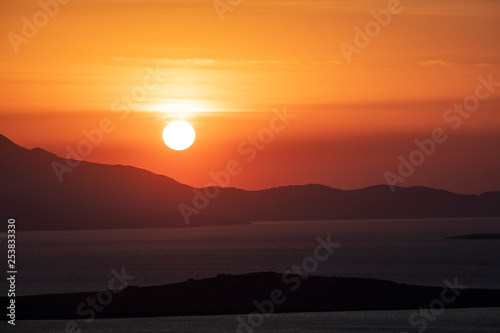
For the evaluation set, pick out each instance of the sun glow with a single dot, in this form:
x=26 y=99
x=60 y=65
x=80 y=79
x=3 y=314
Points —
x=180 y=108
x=179 y=135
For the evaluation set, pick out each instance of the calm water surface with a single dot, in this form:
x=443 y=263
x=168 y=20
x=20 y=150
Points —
x=409 y=251
x=450 y=321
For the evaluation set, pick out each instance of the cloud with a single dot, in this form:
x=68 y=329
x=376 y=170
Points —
x=198 y=62
x=482 y=65
x=435 y=63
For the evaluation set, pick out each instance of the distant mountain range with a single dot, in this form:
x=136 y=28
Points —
x=100 y=196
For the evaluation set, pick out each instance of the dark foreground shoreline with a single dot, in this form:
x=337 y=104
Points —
x=255 y=292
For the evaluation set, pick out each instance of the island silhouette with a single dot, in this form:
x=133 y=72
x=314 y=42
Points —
x=264 y=292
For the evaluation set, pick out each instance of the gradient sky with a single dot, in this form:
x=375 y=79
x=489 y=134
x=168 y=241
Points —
x=353 y=119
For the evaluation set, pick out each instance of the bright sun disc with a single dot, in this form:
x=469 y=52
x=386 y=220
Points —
x=179 y=135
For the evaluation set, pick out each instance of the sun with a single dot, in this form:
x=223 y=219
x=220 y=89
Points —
x=179 y=135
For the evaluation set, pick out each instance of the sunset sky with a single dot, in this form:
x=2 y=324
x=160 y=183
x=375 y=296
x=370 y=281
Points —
x=353 y=117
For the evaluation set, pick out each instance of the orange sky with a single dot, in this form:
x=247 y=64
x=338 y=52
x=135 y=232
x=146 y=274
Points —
x=353 y=119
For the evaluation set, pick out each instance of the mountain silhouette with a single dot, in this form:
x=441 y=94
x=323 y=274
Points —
x=92 y=196
x=100 y=196
x=318 y=202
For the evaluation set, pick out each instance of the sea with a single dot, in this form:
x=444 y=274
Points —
x=412 y=251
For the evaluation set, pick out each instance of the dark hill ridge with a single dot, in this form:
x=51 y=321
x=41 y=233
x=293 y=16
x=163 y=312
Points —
x=92 y=196
x=316 y=202
x=99 y=196
x=236 y=294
